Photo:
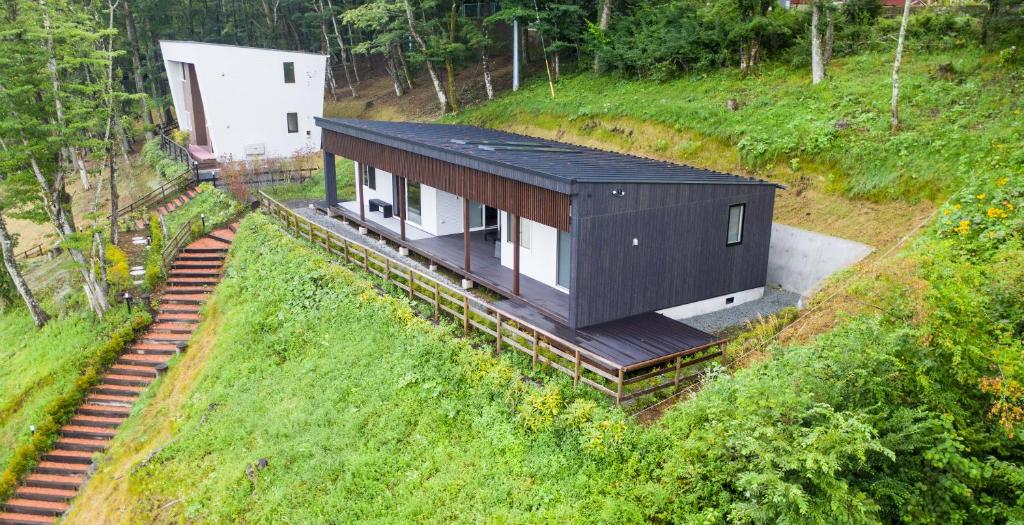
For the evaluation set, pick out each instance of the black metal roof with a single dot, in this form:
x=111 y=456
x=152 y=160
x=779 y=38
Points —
x=506 y=154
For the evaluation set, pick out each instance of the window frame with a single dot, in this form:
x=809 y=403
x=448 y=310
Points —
x=408 y=201
x=728 y=224
x=370 y=177
x=286 y=72
x=525 y=241
x=289 y=118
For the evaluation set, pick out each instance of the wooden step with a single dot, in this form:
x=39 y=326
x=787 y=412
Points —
x=17 y=518
x=124 y=402
x=77 y=431
x=82 y=444
x=200 y=257
x=177 y=317
x=54 y=482
x=193 y=274
x=143 y=360
x=125 y=380
x=118 y=390
x=34 y=506
x=153 y=348
x=91 y=408
x=178 y=308
x=192 y=281
x=61 y=468
x=69 y=456
x=207 y=245
x=198 y=298
x=125 y=369
x=225 y=235
x=166 y=338
x=187 y=290
x=97 y=421
x=44 y=494
x=196 y=265
x=174 y=328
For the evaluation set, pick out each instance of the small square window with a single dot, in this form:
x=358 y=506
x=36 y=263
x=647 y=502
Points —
x=289 y=72
x=736 y=212
x=370 y=177
x=293 y=123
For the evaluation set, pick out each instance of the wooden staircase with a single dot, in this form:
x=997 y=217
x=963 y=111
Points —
x=46 y=493
x=170 y=206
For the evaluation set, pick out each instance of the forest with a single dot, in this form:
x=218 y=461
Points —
x=905 y=405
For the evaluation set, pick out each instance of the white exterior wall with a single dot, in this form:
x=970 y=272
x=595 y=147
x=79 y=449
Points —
x=441 y=212
x=540 y=261
x=713 y=304
x=245 y=98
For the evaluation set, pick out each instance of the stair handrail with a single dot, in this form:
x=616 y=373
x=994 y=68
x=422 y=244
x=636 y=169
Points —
x=171 y=188
x=178 y=241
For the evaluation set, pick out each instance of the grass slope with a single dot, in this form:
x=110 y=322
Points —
x=952 y=129
x=37 y=366
x=365 y=413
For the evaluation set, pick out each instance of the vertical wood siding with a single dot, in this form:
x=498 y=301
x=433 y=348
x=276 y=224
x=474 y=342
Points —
x=537 y=204
x=682 y=254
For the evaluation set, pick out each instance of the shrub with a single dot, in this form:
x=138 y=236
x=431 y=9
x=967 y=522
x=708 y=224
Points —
x=118 y=270
x=163 y=164
x=154 y=257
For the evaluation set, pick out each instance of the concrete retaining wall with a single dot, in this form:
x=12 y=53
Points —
x=799 y=260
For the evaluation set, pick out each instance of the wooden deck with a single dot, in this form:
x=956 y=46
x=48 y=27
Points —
x=446 y=250
x=632 y=344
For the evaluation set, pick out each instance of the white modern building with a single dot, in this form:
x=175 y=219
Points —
x=244 y=103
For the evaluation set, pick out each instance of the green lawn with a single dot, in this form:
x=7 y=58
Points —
x=953 y=129
x=38 y=366
x=313 y=189
x=212 y=203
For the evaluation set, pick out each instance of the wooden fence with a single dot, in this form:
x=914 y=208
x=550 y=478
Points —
x=31 y=253
x=508 y=331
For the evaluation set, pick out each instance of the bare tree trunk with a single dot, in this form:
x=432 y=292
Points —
x=602 y=24
x=114 y=227
x=405 y=66
x=817 y=62
x=39 y=316
x=744 y=65
x=830 y=37
x=755 y=48
x=355 y=61
x=896 y=67
x=558 y=67
x=79 y=163
x=449 y=66
x=486 y=64
x=325 y=47
x=392 y=70
x=441 y=98
x=133 y=41
x=341 y=46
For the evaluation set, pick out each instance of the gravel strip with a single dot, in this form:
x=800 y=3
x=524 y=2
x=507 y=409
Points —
x=774 y=300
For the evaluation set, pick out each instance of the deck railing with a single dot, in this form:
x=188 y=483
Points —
x=509 y=331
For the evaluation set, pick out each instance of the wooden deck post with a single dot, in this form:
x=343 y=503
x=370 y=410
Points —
x=679 y=362
x=618 y=394
x=576 y=373
x=497 y=333
x=401 y=207
x=360 y=184
x=330 y=180
x=465 y=234
x=437 y=301
x=536 y=350
x=515 y=255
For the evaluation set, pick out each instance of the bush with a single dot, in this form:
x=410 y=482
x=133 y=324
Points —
x=163 y=164
x=118 y=270
x=154 y=257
